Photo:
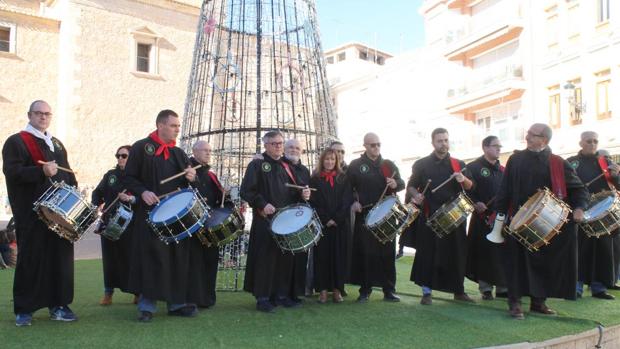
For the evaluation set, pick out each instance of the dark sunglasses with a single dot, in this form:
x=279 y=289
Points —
x=340 y=151
x=374 y=145
x=124 y=156
x=592 y=141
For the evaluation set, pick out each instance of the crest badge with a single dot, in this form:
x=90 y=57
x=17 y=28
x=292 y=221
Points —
x=149 y=149
x=266 y=167
x=364 y=168
x=485 y=172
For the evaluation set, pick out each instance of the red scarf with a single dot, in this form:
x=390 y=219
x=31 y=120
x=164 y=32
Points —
x=215 y=180
x=558 y=183
x=33 y=147
x=163 y=147
x=602 y=162
x=329 y=176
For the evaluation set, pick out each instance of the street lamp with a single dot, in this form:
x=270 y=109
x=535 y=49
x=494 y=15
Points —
x=577 y=107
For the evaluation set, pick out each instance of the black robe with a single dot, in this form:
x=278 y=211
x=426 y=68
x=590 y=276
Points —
x=209 y=190
x=484 y=256
x=44 y=271
x=269 y=271
x=173 y=273
x=116 y=255
x=598 y=257
x=439 y=263
x=331 y=203
x=552 y=270
x=372 y=263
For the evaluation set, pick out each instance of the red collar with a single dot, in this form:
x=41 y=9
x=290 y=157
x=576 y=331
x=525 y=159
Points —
x=329 y=177
x=163 y=147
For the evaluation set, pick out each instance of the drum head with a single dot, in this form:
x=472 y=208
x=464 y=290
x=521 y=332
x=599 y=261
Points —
x=291 y=220
x=528 y=209
x=599 y=208
x=380 y=210
x=175 y=205
x=218 y=216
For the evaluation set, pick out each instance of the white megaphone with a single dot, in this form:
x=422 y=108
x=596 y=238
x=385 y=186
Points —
x=496 y=234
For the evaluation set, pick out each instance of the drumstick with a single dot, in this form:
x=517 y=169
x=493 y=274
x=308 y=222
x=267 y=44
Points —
x=59 y=167
x=112 y=203
x=428 y=183
x=298 y=186
x=172 y=192
x=595 y=178
x=386 y=188
x=223 y=197
x=178 y=175
x=490 y=201
x=446 y=181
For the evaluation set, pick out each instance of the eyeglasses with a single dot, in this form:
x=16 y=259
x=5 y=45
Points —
x=592 y=141
x=340 y=151
x=124 y=156
x=276 y=144
x=374 y=145
x=535 y=134
x=40 y=113
x=498 y=146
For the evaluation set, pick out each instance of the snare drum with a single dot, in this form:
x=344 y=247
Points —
x=178 y=216
x=390 y=217
x=223 y=226
x=603 y=215
x=539 y=220
x=118 y=223
x=296 y=228
x=451 y=215
x=65 y=211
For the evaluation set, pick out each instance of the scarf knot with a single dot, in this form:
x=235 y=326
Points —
x=329 y=177
x=163 y=147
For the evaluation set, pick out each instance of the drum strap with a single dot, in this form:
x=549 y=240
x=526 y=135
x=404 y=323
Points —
x=558 y=184
x=602 y=162
x=215 y=180
x=386 y=170
x=287 y=168
x=456 y=167
x=33 y=147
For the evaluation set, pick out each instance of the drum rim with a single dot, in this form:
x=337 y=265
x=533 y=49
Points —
x=383 y=219
x=284 y=209
x=603 y=214
x=181 y=213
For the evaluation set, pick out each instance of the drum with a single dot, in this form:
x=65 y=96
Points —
x=179 y=216
x=65 y=211
x=539 y=220
x=296 y=228
x=603 y=215
x=223 y=226
x=451 y=215
x=118 y=223
x=390 y=217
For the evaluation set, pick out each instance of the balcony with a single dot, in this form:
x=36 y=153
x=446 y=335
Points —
x=428 y=5
x=488 y=87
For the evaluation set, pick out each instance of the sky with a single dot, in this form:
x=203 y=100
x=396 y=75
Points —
x=394 y=26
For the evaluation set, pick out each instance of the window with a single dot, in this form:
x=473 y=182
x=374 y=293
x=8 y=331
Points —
x=7 y=38
x=603 y=110
x=555 y=118
x=576 y=112
x=143 y=58
x=574 y=20
x=363 y=56
x=552 y=28
x=602 y=11
x=380 y=60
x=330 y=60
x=342 y=56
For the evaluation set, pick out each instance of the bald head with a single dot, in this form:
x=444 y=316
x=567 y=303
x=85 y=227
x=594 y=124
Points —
x=588 y=142
x=202 y=152
x=372 y=145
x=40 y=115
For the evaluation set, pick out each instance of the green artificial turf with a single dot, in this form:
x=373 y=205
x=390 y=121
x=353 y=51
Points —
x=234 y=322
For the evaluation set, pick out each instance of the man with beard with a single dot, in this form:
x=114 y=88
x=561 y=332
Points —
x=598 y=257
x=484 y=257
x=439 y=263
x=372 y=262
x=270 y=272
x=44 y=271
x=166 y=272
x=552 y=270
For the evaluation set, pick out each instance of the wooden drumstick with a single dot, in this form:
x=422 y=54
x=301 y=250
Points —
x=446 y=181
x=112 y=203
x=386 y=188
x=223 y=197
x=490 y=201
x=172 y=192
x=595 y=178
x=178 y=175
x=298 y=186
x=428 y=183
x=59 y=167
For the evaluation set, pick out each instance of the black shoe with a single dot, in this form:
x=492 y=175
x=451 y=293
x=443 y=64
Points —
x=390 y=297
x=501 y=294
x=265 y=307
x=487 y=296
x=287 y=303
x=603 y=295
x=297 y=300
x=145 y=316
x=615 y=287
x=363 y=298
x=186 y=311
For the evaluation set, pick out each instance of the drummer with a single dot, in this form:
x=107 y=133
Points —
x=116 y=255
x=598 y=257
x=44 y=272
x=372 y=262
x=269 y=271
x=439 y=263
x=549 y=272
x=210 y=188
x=173 y=273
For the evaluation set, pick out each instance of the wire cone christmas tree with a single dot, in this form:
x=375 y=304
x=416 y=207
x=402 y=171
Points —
x=258 y=66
